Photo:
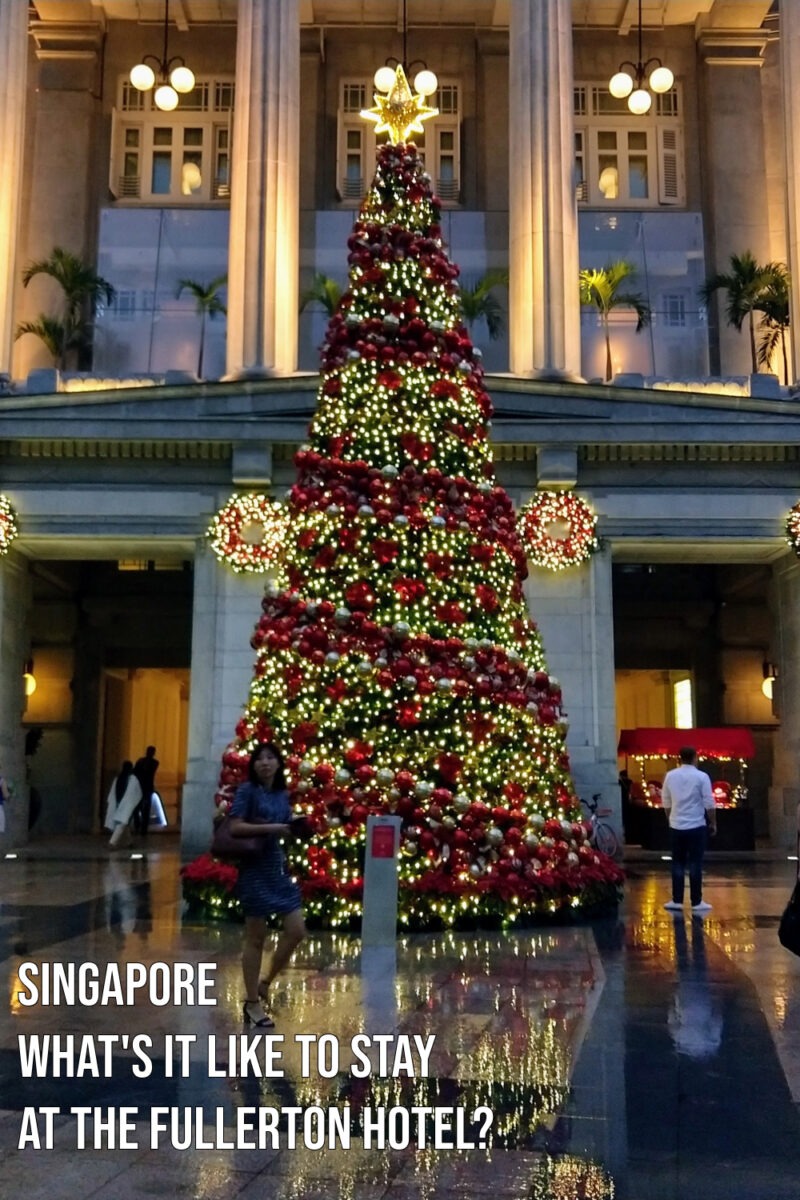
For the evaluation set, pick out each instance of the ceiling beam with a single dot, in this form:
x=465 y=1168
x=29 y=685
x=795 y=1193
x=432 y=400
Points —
x=178 y=10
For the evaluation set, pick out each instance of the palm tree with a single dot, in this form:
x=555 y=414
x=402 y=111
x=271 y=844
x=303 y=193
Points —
x=207 y=303
x=479 y=303
x=323 y=291
x=52 y=332
x=744 y=284
x=774 y=304
x=603 y=288
x=83 y=289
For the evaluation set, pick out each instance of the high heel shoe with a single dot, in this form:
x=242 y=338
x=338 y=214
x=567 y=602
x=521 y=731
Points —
x=264 y=1021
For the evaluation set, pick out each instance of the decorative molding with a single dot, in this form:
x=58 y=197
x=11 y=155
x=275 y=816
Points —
x=733 y=47
x=679 y=452
x=75 y=448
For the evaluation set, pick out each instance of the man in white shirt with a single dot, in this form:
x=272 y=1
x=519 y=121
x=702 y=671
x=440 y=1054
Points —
x=689 y=803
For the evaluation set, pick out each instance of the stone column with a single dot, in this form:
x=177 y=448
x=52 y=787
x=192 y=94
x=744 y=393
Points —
x=263 y=260
x=226 y=609
x=735 y=216
x=13 y=69
x=574 y=612
x=790 y=65
x=544 y=317
x=784 y=795
x=14 y=647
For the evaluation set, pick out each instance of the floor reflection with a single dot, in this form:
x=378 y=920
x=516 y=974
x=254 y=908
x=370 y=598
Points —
x=606 y=1061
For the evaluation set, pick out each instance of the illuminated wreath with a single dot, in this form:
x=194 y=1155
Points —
x=8 y=524
x=248 y=532
x=557 y=550
x=793 y=528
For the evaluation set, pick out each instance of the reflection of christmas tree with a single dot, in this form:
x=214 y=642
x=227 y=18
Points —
x=396 y=661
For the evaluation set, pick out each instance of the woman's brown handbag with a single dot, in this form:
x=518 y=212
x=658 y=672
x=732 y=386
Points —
x=228 y=848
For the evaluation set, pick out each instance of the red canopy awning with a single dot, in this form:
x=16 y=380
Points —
x=709 y=743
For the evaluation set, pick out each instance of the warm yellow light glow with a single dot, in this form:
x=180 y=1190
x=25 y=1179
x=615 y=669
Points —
x=661 y=80
x=425 y=82
x=768 y=687
x=620 y=85
x=682 y=704
x=29 y=683
x=639 y=102
x=166 y=98
x=142 y=77
x=401 y=112
x=384 y=79
x=182 y=79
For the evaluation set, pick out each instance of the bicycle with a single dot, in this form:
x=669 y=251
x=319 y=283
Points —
x=602 y=836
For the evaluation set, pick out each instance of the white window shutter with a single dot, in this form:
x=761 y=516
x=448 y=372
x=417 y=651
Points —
x=114 y=163
x=671 y=178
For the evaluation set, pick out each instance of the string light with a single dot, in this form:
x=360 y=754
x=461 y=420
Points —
x=558 y=530
x=396 y=663
x=253 y=514
x=8 y=524
x=793 y=528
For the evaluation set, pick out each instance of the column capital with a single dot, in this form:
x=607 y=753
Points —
x=732 y=47
x=66 y=39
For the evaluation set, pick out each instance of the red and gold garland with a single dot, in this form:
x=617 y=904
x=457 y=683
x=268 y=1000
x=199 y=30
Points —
x=793 y=528
x=8 y=524
x=536 y=521
x=227 y=532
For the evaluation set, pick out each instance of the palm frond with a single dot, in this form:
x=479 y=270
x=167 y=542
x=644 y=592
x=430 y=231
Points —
x=323 y=291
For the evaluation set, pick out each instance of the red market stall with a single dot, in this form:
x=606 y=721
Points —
x=656 y=750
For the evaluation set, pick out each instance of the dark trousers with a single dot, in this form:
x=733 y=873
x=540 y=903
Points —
x=141 y=815
x=688 y=847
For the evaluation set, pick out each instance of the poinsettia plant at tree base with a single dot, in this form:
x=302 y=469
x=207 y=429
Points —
x=397 y=665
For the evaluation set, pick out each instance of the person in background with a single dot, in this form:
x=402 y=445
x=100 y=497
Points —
x=145 y=772
x=689 y=804
x=123 y=798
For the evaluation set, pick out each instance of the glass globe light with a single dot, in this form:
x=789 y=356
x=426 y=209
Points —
x=29 y=683
x=166 y=98
x=639 y=102
x=425 y=82
x=182 y=79
x=768 y=687
x=620 y=85
x=142 y=77
x=385 y=79
x=661 y=80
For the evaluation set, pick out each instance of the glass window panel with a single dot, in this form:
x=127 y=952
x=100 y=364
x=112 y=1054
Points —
x=637 y=141
x=637 y=177
x=354 y=166
x=161 y=173
x=354 y=97
x=606 y=140
x=223 y=96
x=447 y=140
x=131 y=137
x=354 y=139
x=447 y=169
x=197 y=99
x=131 y=164
x=193 y=137
x=162 y=136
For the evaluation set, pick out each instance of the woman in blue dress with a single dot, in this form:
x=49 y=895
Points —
x=261 y=807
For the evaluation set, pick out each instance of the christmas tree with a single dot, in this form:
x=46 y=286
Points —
x=397 y=665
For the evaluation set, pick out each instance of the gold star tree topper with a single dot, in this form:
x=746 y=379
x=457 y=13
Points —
x=400 y=112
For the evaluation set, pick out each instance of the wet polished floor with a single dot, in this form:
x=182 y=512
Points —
x=647 y=1056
